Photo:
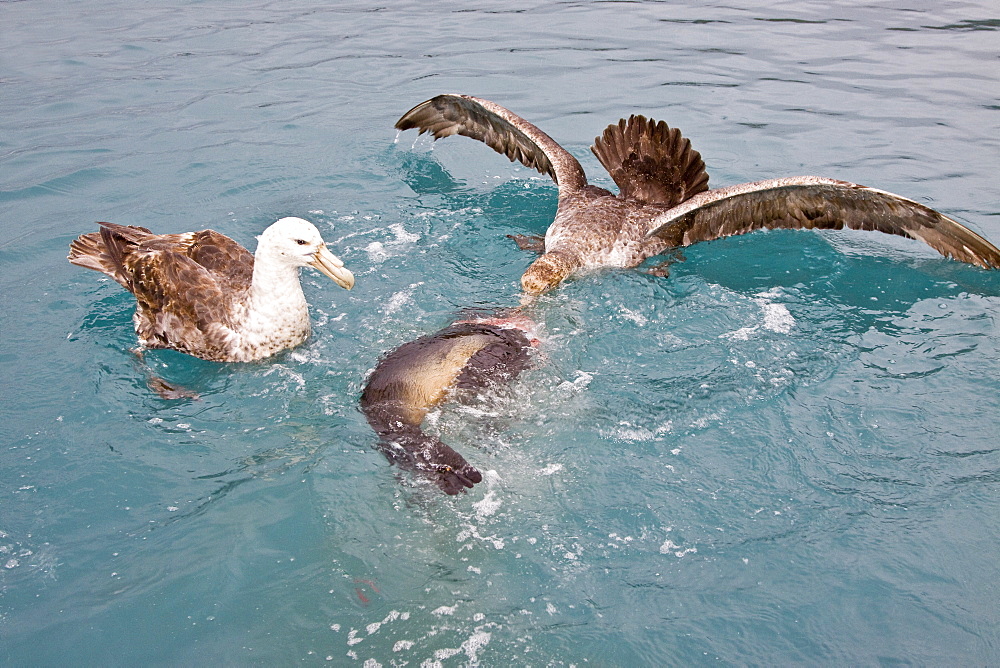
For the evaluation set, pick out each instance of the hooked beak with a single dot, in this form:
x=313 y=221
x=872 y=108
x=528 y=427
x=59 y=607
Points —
x=330 y=264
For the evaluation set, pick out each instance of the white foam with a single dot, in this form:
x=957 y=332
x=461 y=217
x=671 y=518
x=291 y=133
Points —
x=471 y=647
x=669 y=546
x=625 y=431
x=446 y=653
x=776 y=318
x=634 y=316
x=399 y=299
x=377 y=254
x=375 y=626
x=402 y=236
x=488 y=505
x=472 y=531
x=492 y=478
x=580 y=383
x=741 y=334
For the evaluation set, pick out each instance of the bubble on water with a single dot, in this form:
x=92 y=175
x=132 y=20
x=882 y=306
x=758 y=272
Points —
x=488 y=505
x=377 y=252
x=397 y=300
x=375 y=626
x=402 y=236
x=669 y=546
x=776 y=318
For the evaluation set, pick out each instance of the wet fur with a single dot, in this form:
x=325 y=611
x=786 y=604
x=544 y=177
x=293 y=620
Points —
x=412 y=379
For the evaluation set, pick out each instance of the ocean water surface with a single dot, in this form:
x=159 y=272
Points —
x=786 y=452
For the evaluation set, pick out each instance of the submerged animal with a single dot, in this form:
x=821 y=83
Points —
x=203 y=294
x=664 y=201
x=417 y=376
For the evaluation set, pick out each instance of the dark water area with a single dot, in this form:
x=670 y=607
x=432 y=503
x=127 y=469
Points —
x=783 y=453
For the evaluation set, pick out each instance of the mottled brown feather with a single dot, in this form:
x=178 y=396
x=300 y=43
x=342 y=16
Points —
x=651 y=162
x=192 y=314
x=184 y=284
x=664 y=199
x=500 y=129
x=818 y=203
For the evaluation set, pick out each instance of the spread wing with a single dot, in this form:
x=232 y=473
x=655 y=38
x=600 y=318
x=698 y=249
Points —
x=650 y=161
x=812 y=202
x=501 y=130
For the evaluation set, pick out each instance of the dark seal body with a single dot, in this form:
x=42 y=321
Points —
x=415 y=377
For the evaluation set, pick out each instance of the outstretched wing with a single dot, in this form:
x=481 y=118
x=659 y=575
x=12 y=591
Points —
x=501 y=130
x=812 y=202
x=650 y=161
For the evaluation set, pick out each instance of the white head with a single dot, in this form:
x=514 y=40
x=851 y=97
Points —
x=297 y=242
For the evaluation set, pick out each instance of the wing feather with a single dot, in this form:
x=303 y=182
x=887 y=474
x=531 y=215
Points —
x=650 y=161
x=811 y=202
x=186 y=285
x=500 y=129
x=228 y=262
x=179 y=303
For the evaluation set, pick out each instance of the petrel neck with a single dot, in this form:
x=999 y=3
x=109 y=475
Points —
x=276 y=297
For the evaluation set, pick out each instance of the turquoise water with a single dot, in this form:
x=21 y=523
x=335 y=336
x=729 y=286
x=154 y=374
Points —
x=784 y=453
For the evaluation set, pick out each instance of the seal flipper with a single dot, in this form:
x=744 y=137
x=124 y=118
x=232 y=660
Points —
x=416 y=451
x=650 y=161
x=406 y=444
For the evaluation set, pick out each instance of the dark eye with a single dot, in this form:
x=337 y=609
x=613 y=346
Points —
x=301 y=242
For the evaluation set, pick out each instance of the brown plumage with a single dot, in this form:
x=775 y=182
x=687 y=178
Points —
x=663 y=199
x=203 y=294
